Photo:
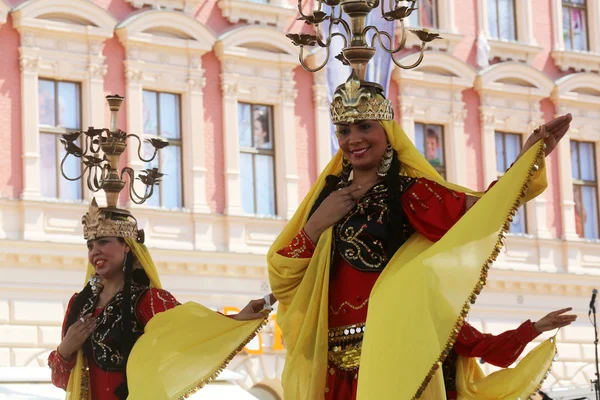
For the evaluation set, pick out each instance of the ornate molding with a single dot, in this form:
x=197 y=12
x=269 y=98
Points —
x=513 y=51
x=30 y=64
x=579 y=61
x=276 y=13
x=96 y=71
x=187 y=6
x=134 y=75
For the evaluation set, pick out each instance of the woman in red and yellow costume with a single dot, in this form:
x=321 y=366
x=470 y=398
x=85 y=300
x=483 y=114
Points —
x=383 y=241
x=124 y=290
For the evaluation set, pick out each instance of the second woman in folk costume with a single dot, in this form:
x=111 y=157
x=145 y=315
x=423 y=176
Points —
x=124 y=337
x=376 y=271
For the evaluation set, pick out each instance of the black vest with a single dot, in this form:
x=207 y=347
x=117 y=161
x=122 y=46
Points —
x=360 y=238
x=106 y=343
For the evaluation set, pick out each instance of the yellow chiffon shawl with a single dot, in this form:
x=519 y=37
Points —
x=181 y=350
x=418 y=303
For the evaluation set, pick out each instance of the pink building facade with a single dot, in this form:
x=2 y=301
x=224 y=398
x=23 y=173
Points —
x=249 y=131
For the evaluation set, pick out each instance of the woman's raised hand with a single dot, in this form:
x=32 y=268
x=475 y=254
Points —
x=331 y=210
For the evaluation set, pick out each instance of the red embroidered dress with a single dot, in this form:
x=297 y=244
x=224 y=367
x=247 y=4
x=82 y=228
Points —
x=358 y=259
x=103 y=382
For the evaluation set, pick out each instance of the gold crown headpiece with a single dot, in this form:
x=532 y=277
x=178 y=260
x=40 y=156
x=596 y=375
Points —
x=104 y=222
x=100 y=151
x=360 y=101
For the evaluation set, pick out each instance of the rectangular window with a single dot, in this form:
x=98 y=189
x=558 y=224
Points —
x=426 y=15
x=508 y=147
x=59 y=112
x=575 y=25
x=162 y=118
x=585 y=189
x=257 y=158
x=430 y=142
x=501 y=19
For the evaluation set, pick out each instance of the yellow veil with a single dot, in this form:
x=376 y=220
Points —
x=419 y=302
x=181 y=350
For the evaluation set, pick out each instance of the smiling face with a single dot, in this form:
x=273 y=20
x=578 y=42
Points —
x=107 y=256
x=363 y=144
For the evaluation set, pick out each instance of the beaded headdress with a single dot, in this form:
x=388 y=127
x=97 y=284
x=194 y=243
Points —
x=99 y=151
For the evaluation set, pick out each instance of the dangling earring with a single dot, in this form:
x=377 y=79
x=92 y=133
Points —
x=386 y=161
x=96 y=284
x=125 y=262
x=346 y=172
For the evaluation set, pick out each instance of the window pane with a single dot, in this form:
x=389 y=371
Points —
x=247 y=182
x=493 y=18
x=587 y=164
x=567 y=28
x=419 y=140
x=574 y=160
x=170 y=186
x=68 y=105
x=69 y=190
x=513 y=148
x=428 y=13
x=244 y=125
x=265 y=185
x=590 y=212
x=578 y=21
x=46 y=102
x=261 y=119
x=500 y=154
x=150 y=113
x=169 y=116
x=519 y=222
x=48 y=165
x=425 y=16
x=506 y=19
x=154 y=200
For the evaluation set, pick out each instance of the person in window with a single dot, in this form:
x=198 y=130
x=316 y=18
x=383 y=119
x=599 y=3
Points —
x=579 y=211
x=432 y=141
x=261 y=129
x=104 y=321
x=383 y=242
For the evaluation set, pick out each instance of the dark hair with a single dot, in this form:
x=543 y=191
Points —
x=397 y=218
x=433 y=134
x=131 y=276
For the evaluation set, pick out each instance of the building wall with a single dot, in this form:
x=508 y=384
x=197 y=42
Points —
x=209 y=250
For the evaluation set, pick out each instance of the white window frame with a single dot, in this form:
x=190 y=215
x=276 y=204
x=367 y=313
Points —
x=446 y=27
x=508 y=106
x=42 y=55
x=585 y=108
x=171 y=64
x=436 y=98
x=260 y=77
x=525 y=48
x=588 y=61
x=4 y=11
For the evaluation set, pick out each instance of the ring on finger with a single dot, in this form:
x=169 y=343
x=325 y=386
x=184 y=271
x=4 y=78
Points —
x=81 y=320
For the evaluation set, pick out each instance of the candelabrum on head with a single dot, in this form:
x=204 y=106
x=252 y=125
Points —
x=100 y=151
x=357 y=51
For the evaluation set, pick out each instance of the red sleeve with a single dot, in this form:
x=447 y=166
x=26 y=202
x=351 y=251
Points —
x=501 y=350
x=61 y=368
x=300 y=247
x=432 y=209
x=152 y=302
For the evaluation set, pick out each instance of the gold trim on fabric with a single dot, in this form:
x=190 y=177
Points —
x=548 y=369
x=482 y=280
x=215 y=373
x=84 y=391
